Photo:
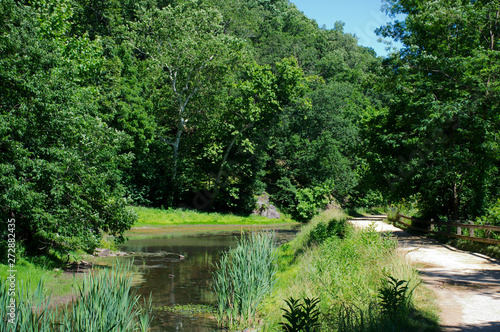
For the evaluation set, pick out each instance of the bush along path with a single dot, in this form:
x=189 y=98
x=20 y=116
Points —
x=467 y=285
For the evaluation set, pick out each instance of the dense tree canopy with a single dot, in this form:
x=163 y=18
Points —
x=208 y=104
x=61 y=163
x=195 y=104
x=438 y=138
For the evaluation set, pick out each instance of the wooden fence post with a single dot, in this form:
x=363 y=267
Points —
x=471 y=230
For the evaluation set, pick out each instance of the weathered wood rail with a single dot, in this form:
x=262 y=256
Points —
x=459 y=227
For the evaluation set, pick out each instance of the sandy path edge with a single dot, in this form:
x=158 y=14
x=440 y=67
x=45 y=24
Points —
x=466 y=284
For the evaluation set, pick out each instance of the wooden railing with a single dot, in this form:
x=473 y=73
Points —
x=459 y=227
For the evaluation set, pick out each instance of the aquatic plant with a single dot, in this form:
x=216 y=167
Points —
x=105 y=302
x=16 y=308
x=242 y=279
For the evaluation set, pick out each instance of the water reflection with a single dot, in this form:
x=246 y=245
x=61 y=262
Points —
x=176 y=280
x=173 y=279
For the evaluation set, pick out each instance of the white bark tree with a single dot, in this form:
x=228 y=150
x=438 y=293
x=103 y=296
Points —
x=186 y=45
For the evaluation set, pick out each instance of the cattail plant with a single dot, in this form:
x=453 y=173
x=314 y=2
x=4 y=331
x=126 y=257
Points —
x=242 y=279
x=105 y=302
x=29 y=313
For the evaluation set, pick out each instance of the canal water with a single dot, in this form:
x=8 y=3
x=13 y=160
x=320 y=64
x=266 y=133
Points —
x=177 y=271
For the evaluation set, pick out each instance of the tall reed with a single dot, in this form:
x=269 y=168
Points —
x=242 y=279
x=105 y=303
x=30 y=311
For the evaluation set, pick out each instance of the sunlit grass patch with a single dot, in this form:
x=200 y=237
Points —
x=55 y=281
x=159 y=217
x=347 y=275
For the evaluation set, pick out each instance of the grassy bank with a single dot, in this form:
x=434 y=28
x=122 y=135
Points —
x=150 y=217
x=105 y=302
x=347 y=271
x=55 y=281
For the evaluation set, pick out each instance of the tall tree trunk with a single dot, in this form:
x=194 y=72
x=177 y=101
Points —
x=175 y=149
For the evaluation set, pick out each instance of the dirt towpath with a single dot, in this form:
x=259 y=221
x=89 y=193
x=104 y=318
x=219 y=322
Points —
x=467 y=285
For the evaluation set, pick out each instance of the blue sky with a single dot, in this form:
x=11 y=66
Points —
x=361 y=18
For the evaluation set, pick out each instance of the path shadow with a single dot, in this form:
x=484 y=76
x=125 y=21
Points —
x=486 y=327
x=403 y=236
x=470 y=279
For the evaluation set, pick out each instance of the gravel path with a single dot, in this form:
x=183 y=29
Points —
x=467 y=285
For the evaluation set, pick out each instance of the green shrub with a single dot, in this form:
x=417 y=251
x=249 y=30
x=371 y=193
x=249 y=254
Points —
x=491 y=217
x=310 y=201
x=302 y=203
x=395 y=298
x=369 y=199
x=324 y=230
x=393 y=213
x=301 y=317
x=329 y=223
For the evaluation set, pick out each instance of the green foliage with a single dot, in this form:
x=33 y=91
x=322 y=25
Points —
x=436 y=136
x=310 y=201
x=301 y=317
x=20 y=316
x=245 y=275
x=393 y=213
x=369 y=199
x=197 y=104
x=394 y=297
x=324 y=230
x=492 y=216
x=302 y=203
x=105 y=303
x=60 y=172
x=329 y=223
x=348 y=274
x=186 y=48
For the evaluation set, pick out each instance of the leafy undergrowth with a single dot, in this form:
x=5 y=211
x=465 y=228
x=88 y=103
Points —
x=348 y=274
x=160 y=217
x=490 y=250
